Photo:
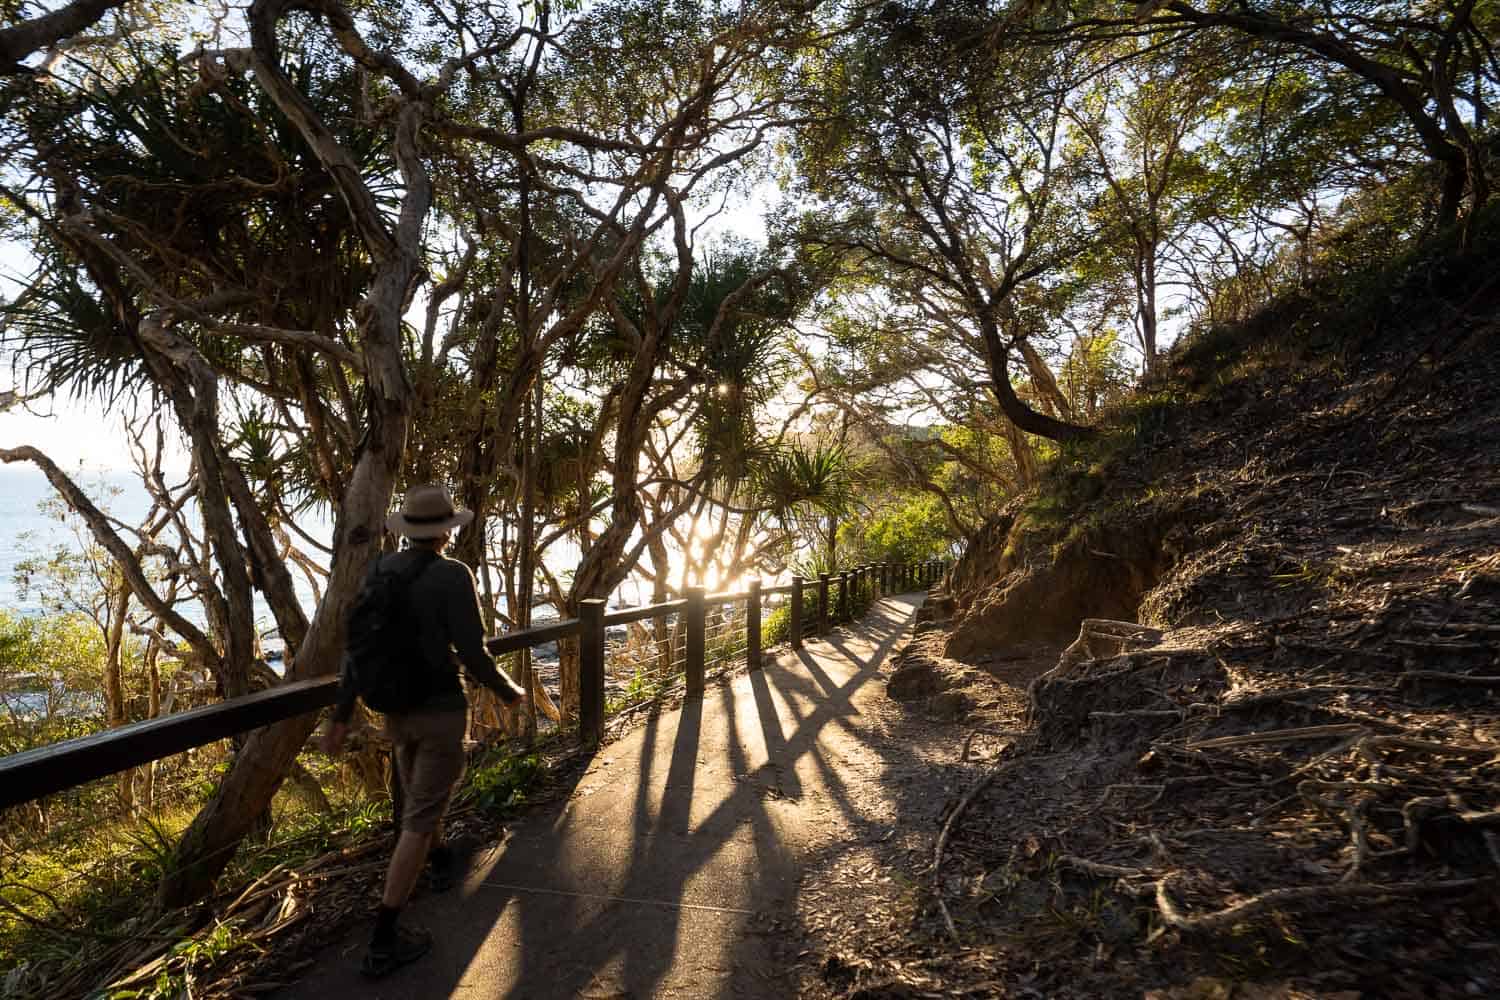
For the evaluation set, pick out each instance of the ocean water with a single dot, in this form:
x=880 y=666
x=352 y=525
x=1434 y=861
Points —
x=28 y=531
x=33 y=525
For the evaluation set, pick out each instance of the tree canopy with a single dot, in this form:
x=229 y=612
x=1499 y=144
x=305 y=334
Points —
x=344 y=247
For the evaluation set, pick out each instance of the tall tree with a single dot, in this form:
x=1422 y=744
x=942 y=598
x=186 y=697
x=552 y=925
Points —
x=949 y=193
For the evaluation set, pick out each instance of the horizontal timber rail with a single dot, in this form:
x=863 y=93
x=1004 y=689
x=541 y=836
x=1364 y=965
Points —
x=525 y=638
x=34 y=773
x=46 y=770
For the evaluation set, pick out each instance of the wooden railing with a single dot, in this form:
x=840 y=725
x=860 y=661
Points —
x=45 y=770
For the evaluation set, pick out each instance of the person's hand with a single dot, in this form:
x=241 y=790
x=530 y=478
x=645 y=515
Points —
x=333 y=738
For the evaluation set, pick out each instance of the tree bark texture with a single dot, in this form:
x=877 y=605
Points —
x=267 y=756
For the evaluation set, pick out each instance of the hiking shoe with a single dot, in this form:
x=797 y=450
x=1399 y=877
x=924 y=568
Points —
x=404 y=948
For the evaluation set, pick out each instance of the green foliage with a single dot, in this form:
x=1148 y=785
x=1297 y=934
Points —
x=150 y=141
x=776 y=626
x=1095 y=373
x=644 y=685
x=818 y=477
x=912 y=529
x=49 y=679
x=500 y=785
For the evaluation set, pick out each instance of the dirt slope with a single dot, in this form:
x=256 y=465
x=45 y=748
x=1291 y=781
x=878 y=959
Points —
x=1286 y=780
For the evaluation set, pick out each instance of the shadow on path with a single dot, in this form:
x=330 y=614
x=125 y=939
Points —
x=656 y=876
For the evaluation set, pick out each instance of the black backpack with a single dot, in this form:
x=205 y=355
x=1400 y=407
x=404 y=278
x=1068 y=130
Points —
x=384 y=649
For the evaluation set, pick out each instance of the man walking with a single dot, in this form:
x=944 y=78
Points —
x=441 y=602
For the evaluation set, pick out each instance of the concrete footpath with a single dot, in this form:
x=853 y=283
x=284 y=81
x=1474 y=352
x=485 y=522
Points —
x=662 y=871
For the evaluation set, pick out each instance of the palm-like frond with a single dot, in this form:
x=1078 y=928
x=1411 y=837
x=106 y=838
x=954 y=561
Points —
x=62 y=337
x=820 y=478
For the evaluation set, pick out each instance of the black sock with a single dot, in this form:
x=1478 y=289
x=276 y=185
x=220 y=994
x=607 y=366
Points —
x=385 y=925
x=440 y=857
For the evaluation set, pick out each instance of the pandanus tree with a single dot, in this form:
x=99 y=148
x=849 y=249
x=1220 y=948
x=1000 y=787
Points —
x=254 y=223
x=736 y=335
x=810 y=485
x=235 y=240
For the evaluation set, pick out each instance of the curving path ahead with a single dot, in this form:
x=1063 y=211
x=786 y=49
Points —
x=662 y=875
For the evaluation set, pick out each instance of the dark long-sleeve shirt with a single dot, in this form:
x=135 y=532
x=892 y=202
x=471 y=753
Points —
x=445 y=603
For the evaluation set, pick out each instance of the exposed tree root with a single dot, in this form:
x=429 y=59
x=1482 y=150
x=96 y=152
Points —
x=1238 y=913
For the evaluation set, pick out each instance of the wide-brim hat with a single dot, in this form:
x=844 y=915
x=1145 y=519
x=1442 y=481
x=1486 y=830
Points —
x=427 y=512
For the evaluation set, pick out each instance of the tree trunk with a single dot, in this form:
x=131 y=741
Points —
x=661 y=633
x=1020 y=450
x=1016 y=410
x=153 y=710
x=117 y=600
x=1044 y=381
x=1148 y=309
x=267 y=755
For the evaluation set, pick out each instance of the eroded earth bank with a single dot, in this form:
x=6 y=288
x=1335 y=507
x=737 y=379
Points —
x=1212 y=712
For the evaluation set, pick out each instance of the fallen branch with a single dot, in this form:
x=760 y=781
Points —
x=1444 y=645
x=1413 y=823
x=1280 y=736
x=1481 y=818
x=1271 y=697
x=1342 y=748
x=1469 y=627
x=1097 y=868
x=1416 y=676
x=1240 y=912
x=942 y=842
x=1369 y=743
x=1143 y=713
x=1328 y=647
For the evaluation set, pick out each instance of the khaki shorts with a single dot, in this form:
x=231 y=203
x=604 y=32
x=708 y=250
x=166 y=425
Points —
x=429 y=752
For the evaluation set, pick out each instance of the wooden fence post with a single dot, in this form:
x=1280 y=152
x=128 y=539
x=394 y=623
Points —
x=796 y=612
x=697 y=631
x=822 y=603
x=752 y=626
x=591 y=669
x=846 y=607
